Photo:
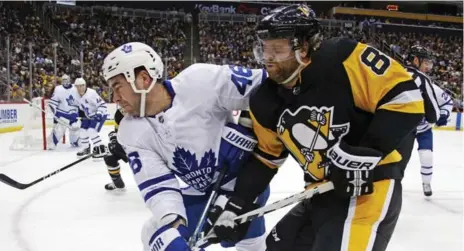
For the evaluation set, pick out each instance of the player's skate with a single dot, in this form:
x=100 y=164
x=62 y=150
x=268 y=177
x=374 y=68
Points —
x=427 y=189
x=99 y=151
x=116 y=185
x=83 y=152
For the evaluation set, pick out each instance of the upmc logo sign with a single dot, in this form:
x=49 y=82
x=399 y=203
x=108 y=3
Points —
x=8 y=116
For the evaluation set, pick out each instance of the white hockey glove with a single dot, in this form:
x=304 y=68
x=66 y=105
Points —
x=76 y=125
x=352 y=169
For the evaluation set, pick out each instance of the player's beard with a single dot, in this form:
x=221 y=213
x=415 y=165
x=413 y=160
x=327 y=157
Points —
x=281 y=71
x=131 y=105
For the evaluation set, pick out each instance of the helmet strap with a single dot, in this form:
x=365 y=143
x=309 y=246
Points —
x=143 y=97
x=298 y=69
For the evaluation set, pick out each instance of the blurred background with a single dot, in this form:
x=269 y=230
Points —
x=41 y=41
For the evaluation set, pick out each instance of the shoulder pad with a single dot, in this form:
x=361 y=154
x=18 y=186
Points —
x=335 y=50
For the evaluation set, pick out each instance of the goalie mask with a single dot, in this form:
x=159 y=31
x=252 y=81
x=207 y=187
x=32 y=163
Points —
x=282 y=34
x=128 y=57
x=65 y=80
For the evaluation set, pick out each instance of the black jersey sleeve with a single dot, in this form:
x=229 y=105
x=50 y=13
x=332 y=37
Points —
x=270 y=152
x=117 y=118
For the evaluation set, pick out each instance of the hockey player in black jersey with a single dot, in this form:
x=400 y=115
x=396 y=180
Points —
x=116 y=153
x=437 y=105
x=341 y=109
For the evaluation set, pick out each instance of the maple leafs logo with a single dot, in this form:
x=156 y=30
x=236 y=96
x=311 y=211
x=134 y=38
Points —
x=70 y=100
x=185 y=160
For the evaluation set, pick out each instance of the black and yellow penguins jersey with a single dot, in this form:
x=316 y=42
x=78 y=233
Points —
x=349 y=91
x=118 y=116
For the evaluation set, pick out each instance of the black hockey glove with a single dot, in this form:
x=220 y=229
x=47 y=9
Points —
x=352 y=169
x=220 y=220
x=115 y=148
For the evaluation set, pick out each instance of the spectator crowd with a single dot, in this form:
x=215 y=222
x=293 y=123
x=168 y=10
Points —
x=98 y=32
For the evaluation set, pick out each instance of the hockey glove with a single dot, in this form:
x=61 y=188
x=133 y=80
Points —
x=443 y=120
x=76 y=125
x=115 y=148
x=98 y=117
x=352 y=169
x=220 y=224
x=237 y=144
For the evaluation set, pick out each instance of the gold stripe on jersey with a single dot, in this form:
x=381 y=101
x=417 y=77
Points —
x=365 y=213
x=368 y=87
x=392 y=157
x=268 y=143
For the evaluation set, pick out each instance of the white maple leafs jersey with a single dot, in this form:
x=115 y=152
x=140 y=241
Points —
x=436 y=101
x=91 y=103
x=64 y=100
x=445 y=105
x=184 y=140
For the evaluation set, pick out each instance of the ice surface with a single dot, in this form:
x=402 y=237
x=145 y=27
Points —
x=72 y=211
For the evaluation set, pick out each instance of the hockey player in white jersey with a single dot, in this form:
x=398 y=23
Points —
x=173 y=128
x=438 y=106
x=64 y=104
x=95 y=110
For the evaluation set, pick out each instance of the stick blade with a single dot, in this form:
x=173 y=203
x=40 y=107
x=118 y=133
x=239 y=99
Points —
x=9 y=181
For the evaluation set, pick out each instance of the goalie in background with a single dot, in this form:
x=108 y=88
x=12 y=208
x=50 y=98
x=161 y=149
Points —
x=64 y=104
x=116 y=153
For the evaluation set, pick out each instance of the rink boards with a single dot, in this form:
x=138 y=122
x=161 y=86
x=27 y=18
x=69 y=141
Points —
x=14 y=115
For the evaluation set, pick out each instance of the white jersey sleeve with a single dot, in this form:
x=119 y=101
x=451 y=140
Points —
x=55 y=100
x=157 y=183
x=229 y=86
x=92 y=103
x=445 y=102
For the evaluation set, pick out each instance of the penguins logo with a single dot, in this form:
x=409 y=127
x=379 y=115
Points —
x=308 y=133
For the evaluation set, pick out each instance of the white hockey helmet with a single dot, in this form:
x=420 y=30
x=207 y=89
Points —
x=65 y=80
x=79 y=82
x=126 y=58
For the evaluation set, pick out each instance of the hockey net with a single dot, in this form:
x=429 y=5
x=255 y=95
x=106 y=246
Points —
x=37 y=126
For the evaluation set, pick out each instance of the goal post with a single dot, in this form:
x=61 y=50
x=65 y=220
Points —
x=36 y=127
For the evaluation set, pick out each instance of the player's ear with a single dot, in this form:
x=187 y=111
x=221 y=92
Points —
x=146 y=79
x=416 y=61
x=304 y=50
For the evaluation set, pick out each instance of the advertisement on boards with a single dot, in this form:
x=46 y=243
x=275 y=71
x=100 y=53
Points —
x=8 y=116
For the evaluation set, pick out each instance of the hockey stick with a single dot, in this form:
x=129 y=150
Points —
x=212 y=198
x=55 y=117
x=307 y=194
x=9 y=181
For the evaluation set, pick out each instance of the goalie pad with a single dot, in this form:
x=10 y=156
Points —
x=57 y=133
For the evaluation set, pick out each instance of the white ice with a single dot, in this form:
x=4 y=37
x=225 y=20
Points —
x=71 y=211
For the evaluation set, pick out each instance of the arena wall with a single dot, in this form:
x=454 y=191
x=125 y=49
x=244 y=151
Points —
x=13 y=116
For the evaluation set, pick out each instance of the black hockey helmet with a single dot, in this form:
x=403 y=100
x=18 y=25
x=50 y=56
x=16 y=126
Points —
x=422 y=53
x=419 y=52
x=296 y=22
